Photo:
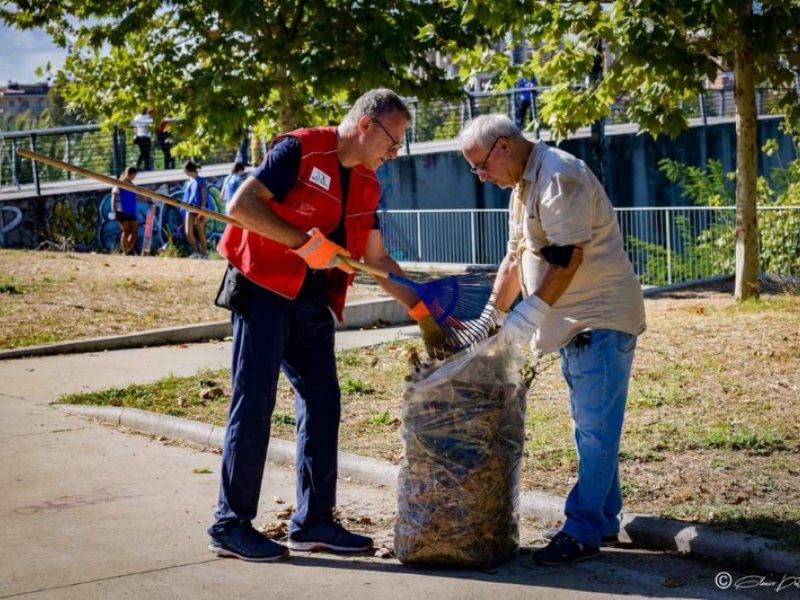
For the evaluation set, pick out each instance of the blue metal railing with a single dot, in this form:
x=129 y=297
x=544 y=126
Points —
x=108 y=151
x=665 y=245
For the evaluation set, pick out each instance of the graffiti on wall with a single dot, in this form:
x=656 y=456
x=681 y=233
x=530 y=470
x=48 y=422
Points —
x=81 y=220
x=10 y=219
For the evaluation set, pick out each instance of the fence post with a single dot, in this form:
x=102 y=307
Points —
x=69 y=154
x=14 y=163
x=419 y=236
x=703 y=116
x=115 y=162
x=472 y=237
x=415 y=115
x=668 y=224
x=123 y=150
x=35 y=166
x=703 y=138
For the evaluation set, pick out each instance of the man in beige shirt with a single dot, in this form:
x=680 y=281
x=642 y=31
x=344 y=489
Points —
x=580 y=298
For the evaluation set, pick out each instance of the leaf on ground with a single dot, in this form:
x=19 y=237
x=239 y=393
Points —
x=275 y=531
x=286 y=514
x=210 y=393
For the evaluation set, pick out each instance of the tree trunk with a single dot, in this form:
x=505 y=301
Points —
x=746 y=140
x=286 y=106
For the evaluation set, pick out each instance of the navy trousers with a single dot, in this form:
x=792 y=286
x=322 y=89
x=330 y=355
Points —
x=298 y=337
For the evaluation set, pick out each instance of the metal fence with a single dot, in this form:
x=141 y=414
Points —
x=665 y=245
x=88 y=146
x=439 y=119
x=108 y=151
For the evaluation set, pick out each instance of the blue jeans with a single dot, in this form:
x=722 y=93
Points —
x=298 y=337
x=597 y=374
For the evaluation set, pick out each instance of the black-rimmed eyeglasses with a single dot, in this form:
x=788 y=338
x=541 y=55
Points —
x=482 y=166
x=396 y=145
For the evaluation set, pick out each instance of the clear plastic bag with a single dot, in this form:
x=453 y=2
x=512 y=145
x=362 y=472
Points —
x=464 y=431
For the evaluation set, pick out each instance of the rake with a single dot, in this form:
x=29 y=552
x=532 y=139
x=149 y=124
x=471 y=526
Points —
x=455 y=301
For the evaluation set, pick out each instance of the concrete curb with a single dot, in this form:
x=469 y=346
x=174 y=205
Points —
x=153 y=337
x=643 y=530
x=357 y=315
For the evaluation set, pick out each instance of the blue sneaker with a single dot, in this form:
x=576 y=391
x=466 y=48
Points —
x=328 y=536
x=607 y=541
x=563 y=550
x=242 y=541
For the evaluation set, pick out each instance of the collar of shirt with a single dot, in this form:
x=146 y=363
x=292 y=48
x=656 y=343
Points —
x=530 y=171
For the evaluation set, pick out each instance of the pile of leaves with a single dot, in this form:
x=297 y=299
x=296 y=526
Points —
x=464 y=430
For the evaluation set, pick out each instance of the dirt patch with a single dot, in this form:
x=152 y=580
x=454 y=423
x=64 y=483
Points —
x=54 y=296
x=712 y=430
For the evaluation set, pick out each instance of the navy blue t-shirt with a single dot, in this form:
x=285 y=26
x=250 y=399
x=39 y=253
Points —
x=278 y=172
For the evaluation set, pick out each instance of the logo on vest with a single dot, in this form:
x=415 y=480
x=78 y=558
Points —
x=323 y=180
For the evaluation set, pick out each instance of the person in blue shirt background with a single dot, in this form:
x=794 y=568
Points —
x=524 y=98
x=232 y=183
x=123 y=203
x=196 y=194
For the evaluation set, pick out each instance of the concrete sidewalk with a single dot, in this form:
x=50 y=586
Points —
x=89 y=511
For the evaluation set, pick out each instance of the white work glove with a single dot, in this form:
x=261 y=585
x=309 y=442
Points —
x=487 y=324
x=524 y=320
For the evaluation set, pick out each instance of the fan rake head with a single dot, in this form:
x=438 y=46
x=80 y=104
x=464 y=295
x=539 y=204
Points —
x=456 y=302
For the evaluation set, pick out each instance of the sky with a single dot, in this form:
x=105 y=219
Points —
x=22 y=51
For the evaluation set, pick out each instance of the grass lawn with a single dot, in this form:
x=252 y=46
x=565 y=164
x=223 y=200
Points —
x=56 y=296
x=712 y=431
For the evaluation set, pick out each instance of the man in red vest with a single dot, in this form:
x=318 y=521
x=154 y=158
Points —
x=312 y=200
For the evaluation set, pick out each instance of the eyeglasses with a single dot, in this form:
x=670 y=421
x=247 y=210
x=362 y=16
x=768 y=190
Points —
x=482 y=166
x=396 y=145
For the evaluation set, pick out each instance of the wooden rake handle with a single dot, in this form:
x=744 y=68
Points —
x=355 y=264
x=141 y=191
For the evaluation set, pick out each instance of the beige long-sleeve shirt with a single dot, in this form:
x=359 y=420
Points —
x=560 y=202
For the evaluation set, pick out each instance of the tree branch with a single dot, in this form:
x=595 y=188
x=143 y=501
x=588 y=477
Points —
x=298 y=15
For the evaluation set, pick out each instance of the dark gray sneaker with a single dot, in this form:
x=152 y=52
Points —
x=242 y=541
x=563 y=550
x=328 y=536
x=607 y=541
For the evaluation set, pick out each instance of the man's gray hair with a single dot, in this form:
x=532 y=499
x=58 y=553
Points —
x=375 y=103
x=485 y=129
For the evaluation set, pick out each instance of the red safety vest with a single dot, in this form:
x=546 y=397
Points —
x=315 y=200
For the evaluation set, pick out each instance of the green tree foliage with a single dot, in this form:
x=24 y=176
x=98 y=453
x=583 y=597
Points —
x=710 y=249
x=662 y=52
x=220 y=66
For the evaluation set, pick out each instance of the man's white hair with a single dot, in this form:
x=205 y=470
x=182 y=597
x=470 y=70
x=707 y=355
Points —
x=375 y=103
x=485 y=129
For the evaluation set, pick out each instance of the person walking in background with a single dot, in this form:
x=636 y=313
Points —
x=232 y=183
x=197 y=195
x=312 y=200
x=142 y=126
x=523 y=99
x=243 y=153
x=581 y=299
x=165 y=140
x=123 y=203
